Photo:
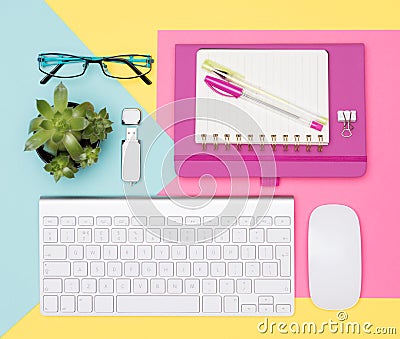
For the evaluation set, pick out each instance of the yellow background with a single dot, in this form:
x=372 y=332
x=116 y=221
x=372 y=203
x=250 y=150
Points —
x=122 y=26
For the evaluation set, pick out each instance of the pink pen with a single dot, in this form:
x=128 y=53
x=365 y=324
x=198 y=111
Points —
x=228 y=89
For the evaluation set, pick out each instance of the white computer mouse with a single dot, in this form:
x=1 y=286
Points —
x=334 y=257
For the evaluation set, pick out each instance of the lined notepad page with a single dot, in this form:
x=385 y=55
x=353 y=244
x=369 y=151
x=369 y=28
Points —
x=298 y=76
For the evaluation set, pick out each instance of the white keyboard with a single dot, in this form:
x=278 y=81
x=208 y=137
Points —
x=103 y=256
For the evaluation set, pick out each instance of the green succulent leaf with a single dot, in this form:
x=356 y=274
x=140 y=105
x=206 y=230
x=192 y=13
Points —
x=78 y=124
x=57 y=137
x=44 y=108
x=72 y=145
x=103 y=113
x=47 y=125
x=60 y=98
x=80 y=110
x=51 y=147
x=90 y=115
x=57 y=176
x=37 y=140
x=35 y=123
x=47 y=168
x=67 y=172
x=67 y=113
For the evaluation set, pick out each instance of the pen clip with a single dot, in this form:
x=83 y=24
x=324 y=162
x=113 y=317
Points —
x=218 y=69
x=223 y=87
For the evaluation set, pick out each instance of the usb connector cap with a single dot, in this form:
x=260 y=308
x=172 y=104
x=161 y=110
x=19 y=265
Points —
x=131 y=156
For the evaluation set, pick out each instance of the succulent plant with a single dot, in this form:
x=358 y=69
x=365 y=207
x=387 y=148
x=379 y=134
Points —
x=99 y=126
x=89 y=156
x=61 y=166
x=65 y=132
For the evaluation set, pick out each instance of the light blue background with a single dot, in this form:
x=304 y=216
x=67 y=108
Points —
x=28 y=28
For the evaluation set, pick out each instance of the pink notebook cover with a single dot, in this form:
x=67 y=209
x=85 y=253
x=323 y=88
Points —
x=343 y=157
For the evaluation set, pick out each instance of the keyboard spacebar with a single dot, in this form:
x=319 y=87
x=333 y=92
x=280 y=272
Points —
x=158 y=304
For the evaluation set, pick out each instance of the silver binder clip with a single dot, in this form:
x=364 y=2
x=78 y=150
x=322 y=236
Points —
x=347 y=117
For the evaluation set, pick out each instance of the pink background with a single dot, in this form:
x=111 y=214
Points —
x=374 y=196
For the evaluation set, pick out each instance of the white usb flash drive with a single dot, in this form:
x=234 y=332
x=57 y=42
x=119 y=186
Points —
x=131 y=156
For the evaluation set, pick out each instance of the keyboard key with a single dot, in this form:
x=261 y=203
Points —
x=231 y=304
x=192 y=286
x=89 y=285
x=84 y=235
x=106 y=285
x=97 y=269
x=275 y=235
x=282 y=253
x=71 y=285
x=266 y=309
x=266 y=300
x=123 y=286
x=170 y=234
x=217 y=269
x=221 y=235
x=256 y=235
x=131 y=269
x=158 y=304
x=283 y=308
x=196 y=252
x=192 y=221
x=204 y=235
x=272 y=286
x=85 y=221
x=103 y=221
x=210 y=221
x=174 y=221
x=183 y=269
x=157 y=286
x=213 y=252
x=228 y=221
x=50 y=303
x=235 y=269
x=175 y=286
x=67 y=303
x=239 y=235
x=231 y=252
x=127 y=252
x=178 y=252
x=140 y=286
x=50 y=221
x=282 y=221
x=243 y=286
x=270 y=269
x=187 y=235
x=50 y=235
x=93 y=252
x=56 y=269
x=139 y=221
x=121 y=221
x=209 y=286
x=52 y=285
x=80 y=269
x=118 y=235
x=149 y=269
x=200 y=269
x=212 y=304
x=68 y=221
x=54 y=252
x=226 y=286
x=246 y=221
x=161 y=252
x=114 y=269
x=110 y=252
x=144 y=252
x=157 y=221
x=265 y=252
x=249 y=308
x=101 y=235
x=248 y=252
x=166 y=269
x=67 y=235
x=252 y=269
x=153 y=235
x=135 y=235
x=104 y=303
x=85 y=304
x=264 y=221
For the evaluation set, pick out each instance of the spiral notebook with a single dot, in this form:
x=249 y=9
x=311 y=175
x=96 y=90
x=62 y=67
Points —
x=339 y=157
x=297 y=76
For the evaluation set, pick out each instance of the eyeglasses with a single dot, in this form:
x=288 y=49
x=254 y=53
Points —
x=127 y=66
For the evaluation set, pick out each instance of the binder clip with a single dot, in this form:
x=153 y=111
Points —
x=347 y=117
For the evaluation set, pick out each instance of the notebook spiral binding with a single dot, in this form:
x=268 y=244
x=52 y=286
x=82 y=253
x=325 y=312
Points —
x=262 y=143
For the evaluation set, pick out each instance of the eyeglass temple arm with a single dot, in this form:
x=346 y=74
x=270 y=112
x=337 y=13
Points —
x=46 y=79
x=145 y=79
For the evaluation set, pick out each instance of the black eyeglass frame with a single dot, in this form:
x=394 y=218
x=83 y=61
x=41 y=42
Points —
x=96 y=60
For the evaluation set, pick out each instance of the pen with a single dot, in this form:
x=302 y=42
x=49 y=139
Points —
x=228 y=89
x=238 y=79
